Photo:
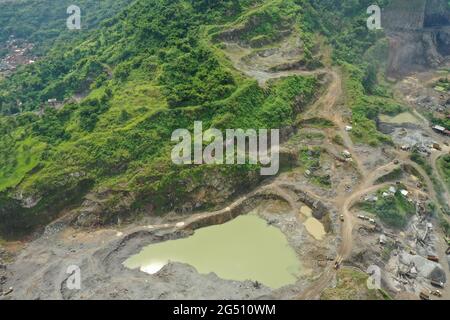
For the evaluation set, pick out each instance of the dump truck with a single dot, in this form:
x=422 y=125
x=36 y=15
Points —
x=438 y=284
x=346 y=154
x=424 y=295
x=8 y=292
x=436 y=293
x=437 y=146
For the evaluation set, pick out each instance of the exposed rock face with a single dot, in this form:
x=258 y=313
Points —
x=404 y=15
x=27 y=201
x=427 y=269
x=102 y=208
x=443 y=41
x=419 y=34
x=437 y=13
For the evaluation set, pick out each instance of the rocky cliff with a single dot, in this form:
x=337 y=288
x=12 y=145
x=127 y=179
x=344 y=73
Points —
x=437 y=13
x=404 y=15
x=419 y=34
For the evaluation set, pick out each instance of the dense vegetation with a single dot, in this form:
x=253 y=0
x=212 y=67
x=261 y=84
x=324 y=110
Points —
x=394 y=210
x=42 y=22
x=154 y=67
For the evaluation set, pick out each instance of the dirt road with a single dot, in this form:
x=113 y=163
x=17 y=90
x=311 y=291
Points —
x=435 y=156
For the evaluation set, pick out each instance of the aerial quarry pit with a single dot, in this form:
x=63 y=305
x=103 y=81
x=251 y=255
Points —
x=351 y=201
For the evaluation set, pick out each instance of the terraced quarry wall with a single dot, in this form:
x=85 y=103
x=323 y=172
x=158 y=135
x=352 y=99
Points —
x=404 y=15
x=437 y=13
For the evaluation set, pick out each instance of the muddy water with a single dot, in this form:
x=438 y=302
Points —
x=306 y=211
x=243 y=249
x=404 y=117
x=315 y=228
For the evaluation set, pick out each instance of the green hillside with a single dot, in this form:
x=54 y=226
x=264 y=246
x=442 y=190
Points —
x=156 y=66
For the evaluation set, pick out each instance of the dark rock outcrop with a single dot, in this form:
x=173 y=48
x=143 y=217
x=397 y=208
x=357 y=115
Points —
x=419 y=34
x=437 y=13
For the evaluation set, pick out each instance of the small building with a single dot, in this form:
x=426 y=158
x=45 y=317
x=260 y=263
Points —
x=348 y=128
x=52 y=102
x=438 y=128
x=441 y=130
x=405 y=193
x=382 y=239
x=392 y=190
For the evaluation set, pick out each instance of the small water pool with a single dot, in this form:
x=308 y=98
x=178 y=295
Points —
x=246 y=248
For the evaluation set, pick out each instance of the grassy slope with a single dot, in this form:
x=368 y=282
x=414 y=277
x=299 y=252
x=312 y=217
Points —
x=352 y=285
